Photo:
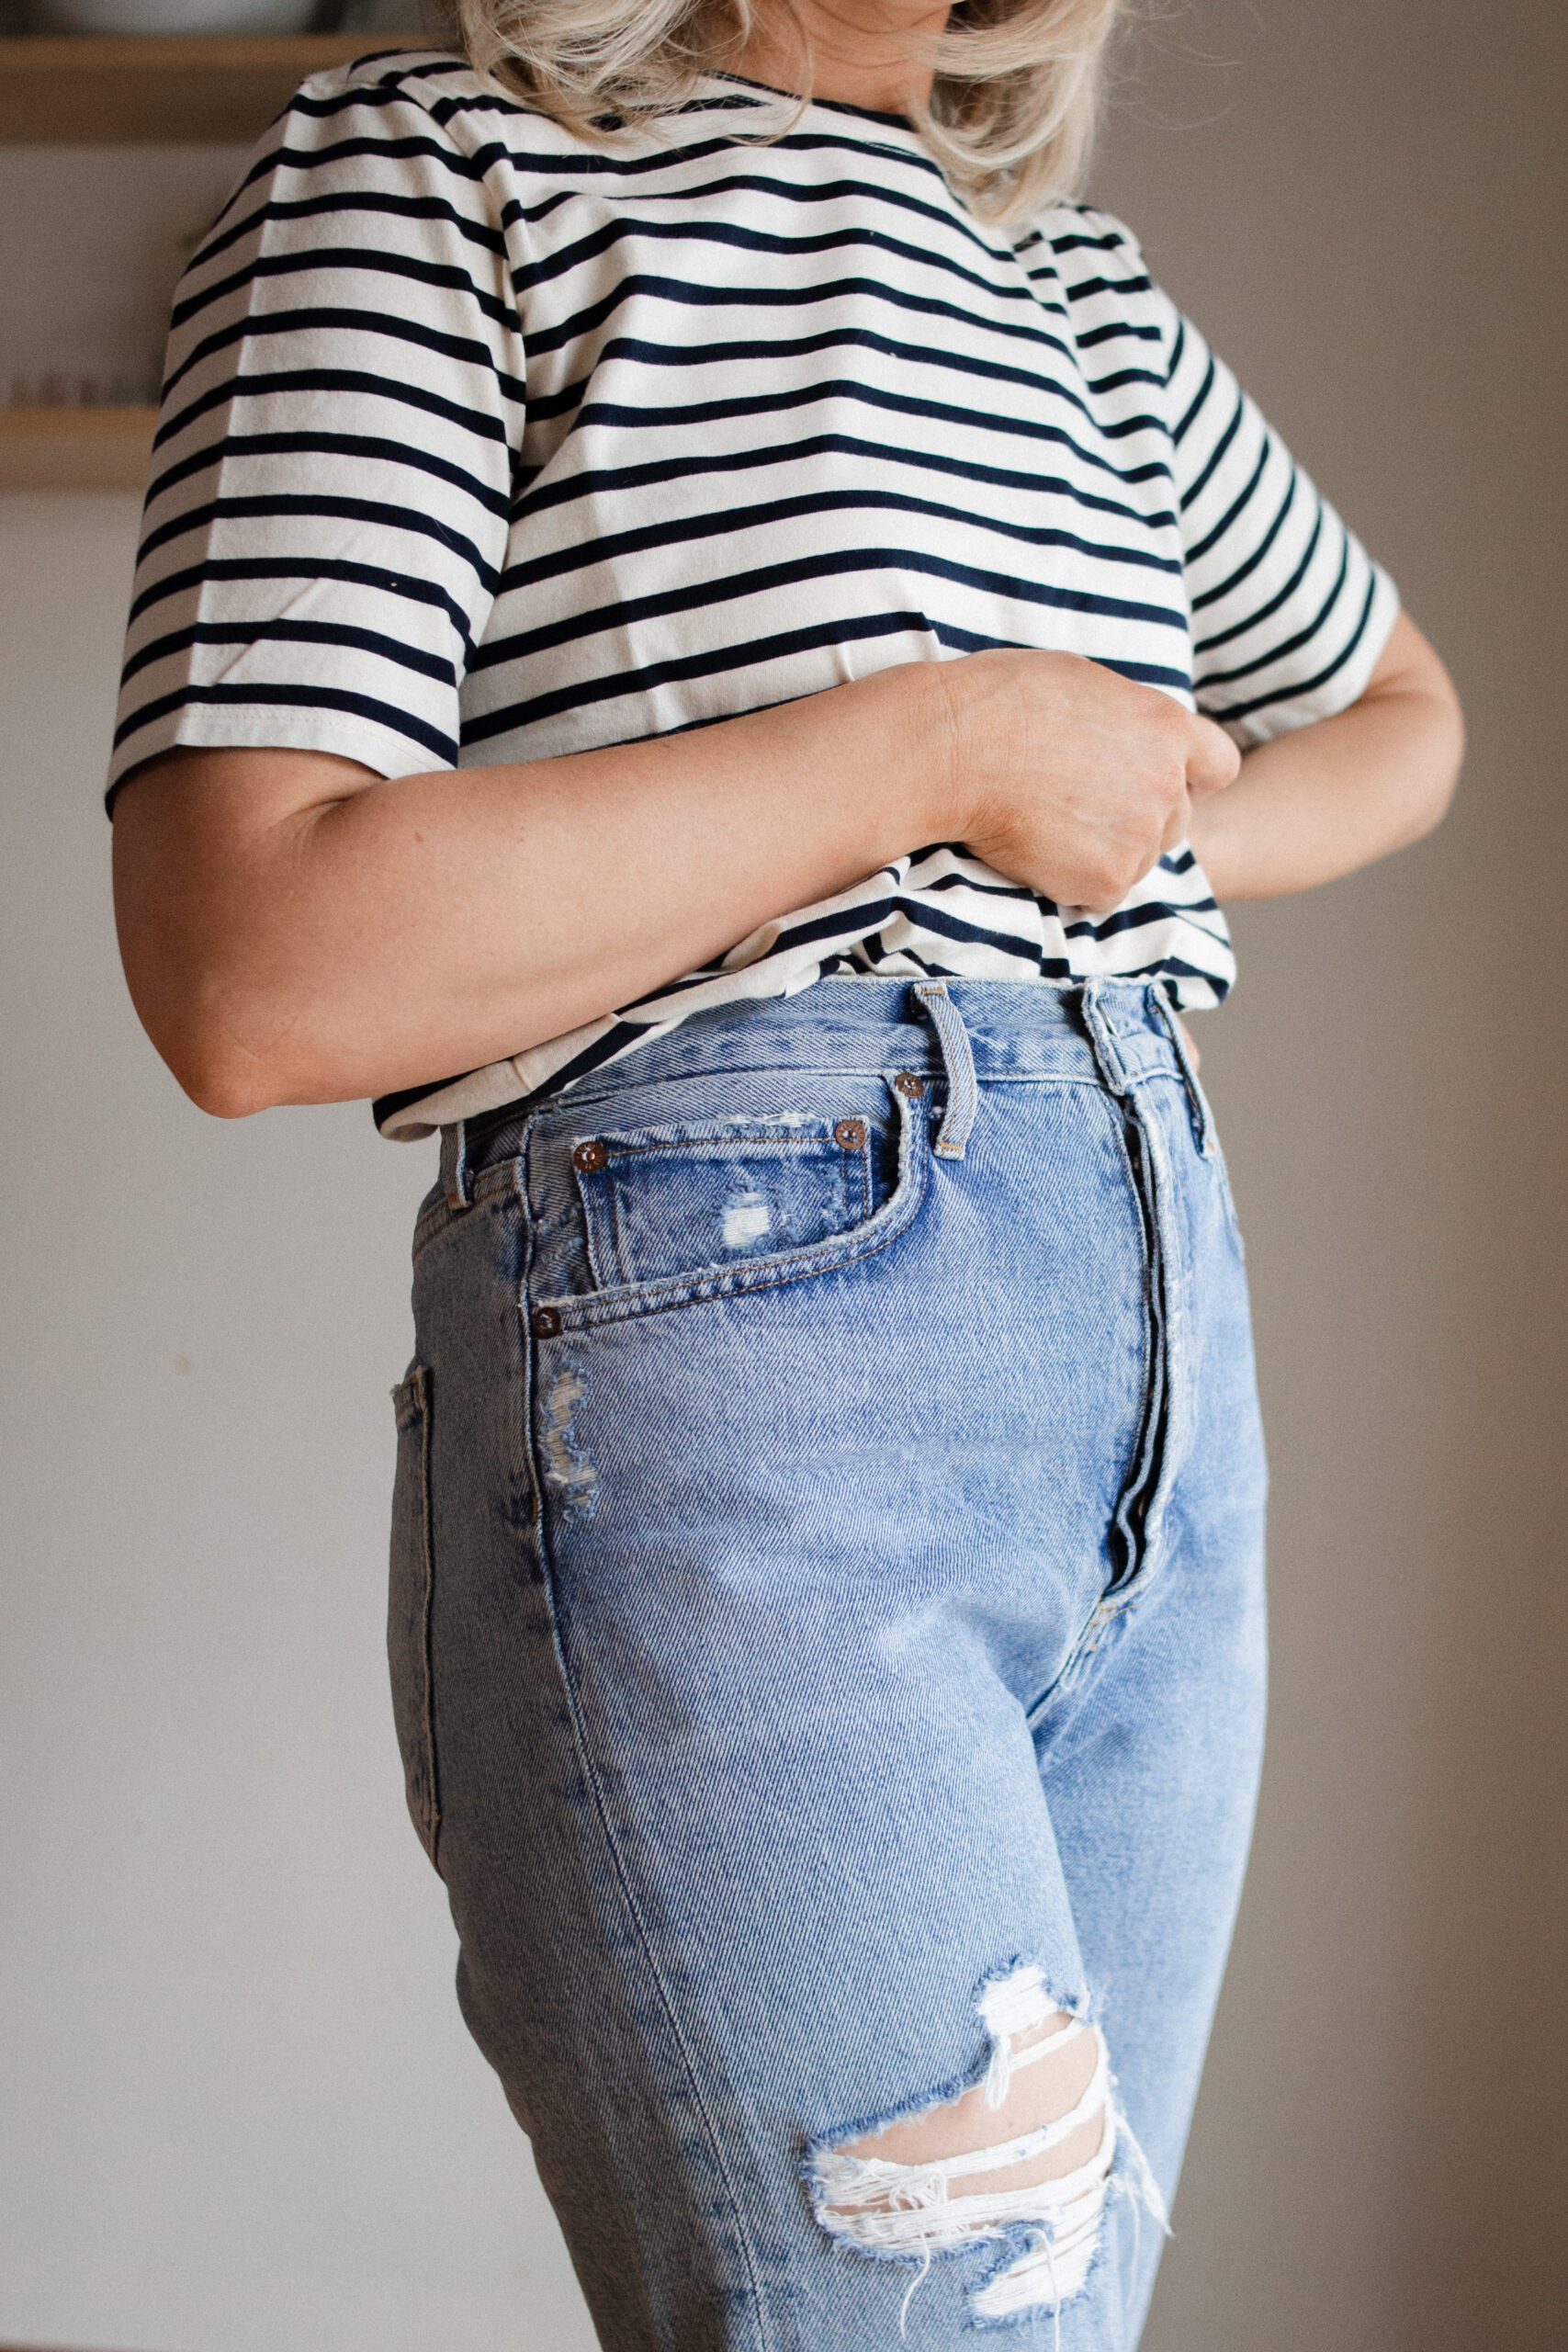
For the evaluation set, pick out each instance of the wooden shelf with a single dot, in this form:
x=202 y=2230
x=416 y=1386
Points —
x=154 y=92
x=75 y=448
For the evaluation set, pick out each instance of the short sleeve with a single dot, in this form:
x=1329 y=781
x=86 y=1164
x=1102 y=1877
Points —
x=1289 y=612
x=331 y=479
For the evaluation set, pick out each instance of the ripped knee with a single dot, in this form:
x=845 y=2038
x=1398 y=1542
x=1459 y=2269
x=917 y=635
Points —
x=1028 y=2151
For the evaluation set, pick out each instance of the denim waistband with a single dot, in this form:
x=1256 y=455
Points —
x=1111 y=1033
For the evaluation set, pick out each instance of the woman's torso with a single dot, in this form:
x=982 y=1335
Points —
x=705 y=424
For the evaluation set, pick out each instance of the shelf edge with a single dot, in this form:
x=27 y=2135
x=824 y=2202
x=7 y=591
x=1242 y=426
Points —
x=75 y=448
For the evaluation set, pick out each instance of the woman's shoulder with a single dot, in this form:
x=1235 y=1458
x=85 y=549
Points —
x=391 y=95
x=1084 y=240
x=1098 y=273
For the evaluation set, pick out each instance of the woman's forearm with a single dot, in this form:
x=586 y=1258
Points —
x=1325 y=800
x=296 y=929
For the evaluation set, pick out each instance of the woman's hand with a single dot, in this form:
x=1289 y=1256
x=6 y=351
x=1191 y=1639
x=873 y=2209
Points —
x=1074 y=780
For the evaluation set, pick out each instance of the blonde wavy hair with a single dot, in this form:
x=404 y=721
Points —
x=1013 y=110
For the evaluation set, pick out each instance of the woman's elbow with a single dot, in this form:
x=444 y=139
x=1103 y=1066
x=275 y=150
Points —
x=197 y=951
x=225 y=1083
x=1444 y=757
x=200 y=1006
x=1411 y=679
x=194 y=1040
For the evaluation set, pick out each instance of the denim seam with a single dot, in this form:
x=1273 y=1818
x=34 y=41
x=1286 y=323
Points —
x=1205 y=1130
x=626 y=1149
x=1174 y=1271
x=921 y=1055
x=1145 y=1467
x=1084 y=1645
x=590 y=1313
x=591 y=1781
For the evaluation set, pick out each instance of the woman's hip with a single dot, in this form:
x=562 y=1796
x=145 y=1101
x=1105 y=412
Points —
x=898 y=1307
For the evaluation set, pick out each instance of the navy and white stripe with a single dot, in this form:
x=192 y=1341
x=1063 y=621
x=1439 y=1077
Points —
x=481 y=444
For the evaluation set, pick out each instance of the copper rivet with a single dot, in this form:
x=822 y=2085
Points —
x=850 y=1135
x=591 y=1156
x=907 y=1083
x=546 y=1323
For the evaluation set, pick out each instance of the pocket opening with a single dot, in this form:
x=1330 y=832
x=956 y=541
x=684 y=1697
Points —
x=662 y=1203
x=767 y=1266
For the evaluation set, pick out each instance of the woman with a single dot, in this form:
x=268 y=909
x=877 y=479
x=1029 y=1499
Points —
x=687 y=604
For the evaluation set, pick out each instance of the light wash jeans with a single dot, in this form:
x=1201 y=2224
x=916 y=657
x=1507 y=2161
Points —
x=827 y=1634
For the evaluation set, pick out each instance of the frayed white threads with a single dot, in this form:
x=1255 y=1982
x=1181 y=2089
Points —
x=1057 y=2267
x=746 y=1221
x=1016 y=2005
x=923 y=2272
x=912 y=2209
x=907 y=2209
x=564 y=1466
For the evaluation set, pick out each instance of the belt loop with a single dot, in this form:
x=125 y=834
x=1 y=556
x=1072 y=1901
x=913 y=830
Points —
x=1162 y=994
x=455 y=1178
x=1102 y=1039
x=962 y=1089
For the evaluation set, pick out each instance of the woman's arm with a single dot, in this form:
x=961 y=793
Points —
x=296 y=929
x=1325 y=800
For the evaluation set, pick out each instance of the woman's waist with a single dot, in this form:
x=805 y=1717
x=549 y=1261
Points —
x=938 y=913
x=857 y=1023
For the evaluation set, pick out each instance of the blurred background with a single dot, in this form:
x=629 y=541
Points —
x=240 y=2113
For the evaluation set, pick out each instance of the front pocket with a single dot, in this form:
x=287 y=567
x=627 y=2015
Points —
x=659 y=1201
x=411 y=1592
x=713 y=1212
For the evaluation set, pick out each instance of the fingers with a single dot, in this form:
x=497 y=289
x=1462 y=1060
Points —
x=1090 y=776
x=1176 y=825
x=1212 y=760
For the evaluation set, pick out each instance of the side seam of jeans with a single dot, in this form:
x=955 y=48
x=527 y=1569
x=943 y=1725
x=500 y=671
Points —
x=591 y=1778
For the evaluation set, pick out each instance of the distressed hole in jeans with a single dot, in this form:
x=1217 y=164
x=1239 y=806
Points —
x=746 y=1221
x=566 y=1466
x=1027 y=2152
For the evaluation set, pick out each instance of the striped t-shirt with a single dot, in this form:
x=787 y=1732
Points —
x=482 y=444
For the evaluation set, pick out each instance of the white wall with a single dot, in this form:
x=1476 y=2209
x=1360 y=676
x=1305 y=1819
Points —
x=1367 y=207
x=240 y=2114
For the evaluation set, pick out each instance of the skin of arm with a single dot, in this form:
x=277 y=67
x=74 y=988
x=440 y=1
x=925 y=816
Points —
x=1320 y=802
x=296 y=929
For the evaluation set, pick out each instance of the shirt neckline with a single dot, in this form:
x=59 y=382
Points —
x=831 y=105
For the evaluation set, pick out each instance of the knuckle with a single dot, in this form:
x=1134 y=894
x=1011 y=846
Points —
x=1164 y=782
x=1111 y=879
